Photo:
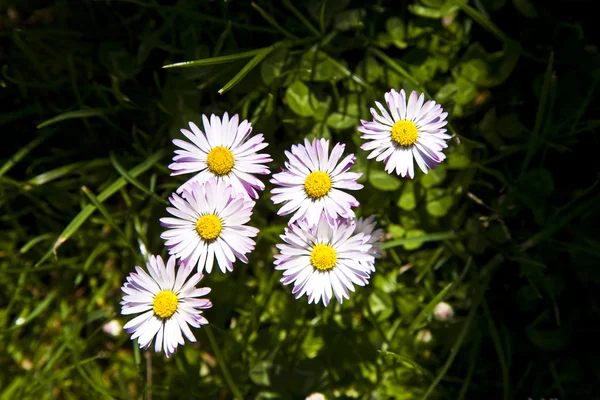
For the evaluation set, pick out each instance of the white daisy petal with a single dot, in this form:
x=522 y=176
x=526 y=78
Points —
x=310 y=183
x=321 y=260
x=414 y=133
x=170 y=310
x=218 y=229
x=224 y=151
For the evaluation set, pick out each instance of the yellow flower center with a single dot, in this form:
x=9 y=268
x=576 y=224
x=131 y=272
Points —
x=209 y=227
x=405 y=133
x=317 y=184
x=323 y=257
x=165 y=304
x=220 y=160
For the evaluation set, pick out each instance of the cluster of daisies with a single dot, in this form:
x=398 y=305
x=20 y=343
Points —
x=326 y=250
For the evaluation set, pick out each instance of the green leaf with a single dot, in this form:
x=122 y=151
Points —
x=370 y=69
x=349 y=19
x=319 y=131
x=397 y=31
x=298 y=99
x=381 y=305
x=458 y=157
x=434 y=177
x=271 y=68
x=259 y=374
x=319 y=66
x=438 y=202
x=537 y=183
x=408 y=199
x=416 y=235
x=383 y=181
x=446 y=93
x=549 y=339
x=397 y=231
x=339 y=121
x=526 y=8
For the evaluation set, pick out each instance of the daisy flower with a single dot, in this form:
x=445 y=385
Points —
x=166 y=302
x=413 y=131
x=367 y=226
x=208 y=224
x=223 y=151
x=313 y=181
x=324 y=260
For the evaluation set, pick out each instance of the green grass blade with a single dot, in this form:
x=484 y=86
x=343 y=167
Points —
x=134 y=181
x=301 y=17
x=109 y=218
x=429 y=308
x=432 y=237
x=322 y=17
x=30 y=54
x=269 y=18
x=92 y=112
x=36 y=311
x=88 y=210
x=65 y=170
x=408 y=362
x=222 y=363
x=539 y=116
x=216 y=60
x=19 y=155
x=221 y=41
x=396 y=67
x=247 y=68
x=499 y=350
x=459 y=340
x=482 y=20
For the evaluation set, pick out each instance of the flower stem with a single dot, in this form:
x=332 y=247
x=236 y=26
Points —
x=221 y=362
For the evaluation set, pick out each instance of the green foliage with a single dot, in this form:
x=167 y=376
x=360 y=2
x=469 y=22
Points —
x=504 y=230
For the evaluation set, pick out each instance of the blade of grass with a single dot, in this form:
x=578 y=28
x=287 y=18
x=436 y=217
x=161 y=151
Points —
x=107 y=215
x=247 y=68
x=29 y=54
x=60 y=172
x=499 y=350
x=92 y=112
x=216 y=60
x=134 y=181
x=19 y=155
x=432 y=237
x=322 y=17
x=539 y=116
x=349 y=73
x=467 y=382
x=186 y=13
x=222 y=363
x=272 y=21
x=88 y=210
x=37 y=311
x=396 y=67
x=408 y=362
x=221 y=40
x=482 y=20
x=459 y=340
x=301 y=17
